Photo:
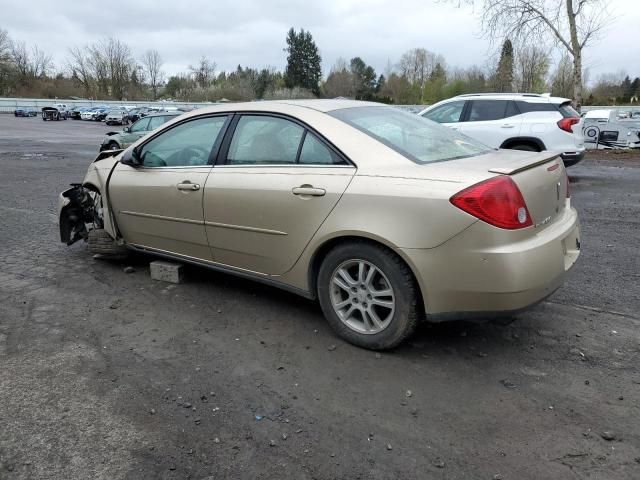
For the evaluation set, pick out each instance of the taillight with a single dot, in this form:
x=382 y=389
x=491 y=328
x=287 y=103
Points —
x=566 y=123
x=497 y=201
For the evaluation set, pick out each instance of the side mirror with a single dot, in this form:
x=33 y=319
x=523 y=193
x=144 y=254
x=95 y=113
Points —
x=132 y=158
x=126 y=129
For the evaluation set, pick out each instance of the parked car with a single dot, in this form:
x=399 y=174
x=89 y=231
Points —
x=605 y=129
x=136 y=114
x=54 y=113
x=93 y=112
x=519 y=121
x=118 y=115
x=100 y=114
x=133 y=133
x=25 y=112
x=381 y=215
x=76 y=112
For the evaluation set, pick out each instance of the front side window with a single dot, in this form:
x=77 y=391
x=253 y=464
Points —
x=413 y=136
x=447 y=113
x=188 y=144
x=261 y=140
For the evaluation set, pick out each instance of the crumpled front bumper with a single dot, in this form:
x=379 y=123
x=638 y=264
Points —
x=75 y=209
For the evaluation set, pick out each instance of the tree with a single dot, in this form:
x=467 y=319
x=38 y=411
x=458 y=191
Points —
x=204 y=72
x=562 y=78
x=5 y=61
x=339 y=82
x=103 y=68
x=363 y=77
x=532 y=65
x=503 y=81
x=303 y=62
x=152 y=63
x=416 y=66
x=573 y=24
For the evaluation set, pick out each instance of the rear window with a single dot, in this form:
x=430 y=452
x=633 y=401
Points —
x=567 y=111
x=417 y=138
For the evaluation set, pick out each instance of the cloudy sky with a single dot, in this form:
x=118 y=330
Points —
x=252 y=32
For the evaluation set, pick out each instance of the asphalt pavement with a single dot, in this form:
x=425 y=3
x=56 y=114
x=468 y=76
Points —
x=111 y=375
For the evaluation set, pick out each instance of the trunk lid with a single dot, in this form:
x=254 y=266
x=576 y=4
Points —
x=541 y=178
x=543 y=185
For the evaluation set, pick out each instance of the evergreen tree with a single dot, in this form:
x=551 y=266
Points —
x=303 y=62
x=504 y=73
x=364 y=79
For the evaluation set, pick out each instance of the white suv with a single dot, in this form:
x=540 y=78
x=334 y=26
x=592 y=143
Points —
x=520 y=121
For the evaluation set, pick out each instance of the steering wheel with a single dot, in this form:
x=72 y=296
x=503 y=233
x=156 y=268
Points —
x=193 y=156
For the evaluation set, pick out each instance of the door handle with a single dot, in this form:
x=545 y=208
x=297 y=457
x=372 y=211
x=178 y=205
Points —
x=308 y=190
x=507 y=125
x=192 y=187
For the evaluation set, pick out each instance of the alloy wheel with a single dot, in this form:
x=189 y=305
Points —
x=362 y=296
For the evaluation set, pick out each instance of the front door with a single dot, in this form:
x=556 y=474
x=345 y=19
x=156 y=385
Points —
x=277 y=184
x=159 y=205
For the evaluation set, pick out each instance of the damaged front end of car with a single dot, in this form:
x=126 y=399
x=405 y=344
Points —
x=79 y=212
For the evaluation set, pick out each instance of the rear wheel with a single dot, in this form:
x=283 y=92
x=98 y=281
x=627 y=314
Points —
x=368 y=295
x=524 y=146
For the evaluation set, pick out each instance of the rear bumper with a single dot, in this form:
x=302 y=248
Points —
x=484 y=272
x=570 y=159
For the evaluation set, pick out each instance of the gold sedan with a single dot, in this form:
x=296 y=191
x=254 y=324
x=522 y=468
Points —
x=385 y=217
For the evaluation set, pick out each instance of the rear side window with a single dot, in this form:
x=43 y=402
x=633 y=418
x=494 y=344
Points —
x=155 y=122
x=140 y=125
x=526 y=107
x=314 y=152
x=486 y=110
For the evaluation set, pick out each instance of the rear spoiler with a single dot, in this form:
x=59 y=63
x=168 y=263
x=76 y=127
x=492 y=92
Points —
x=520 y=165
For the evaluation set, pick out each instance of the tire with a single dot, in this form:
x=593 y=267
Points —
x=101 y=242
x=393 y=275
x=525 y=147
x=113 y=146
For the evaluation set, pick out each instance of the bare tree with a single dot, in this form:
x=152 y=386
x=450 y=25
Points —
x=573 y=24
x=152 y=62
x=5 y=60
x=562 y=78
x=105 y=67
x=29 y=65
x=204 y=72
x=532 y=65
x=81 y=70
x=418 y=64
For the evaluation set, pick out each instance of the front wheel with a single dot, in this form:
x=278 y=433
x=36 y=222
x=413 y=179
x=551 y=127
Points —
x=368 y=295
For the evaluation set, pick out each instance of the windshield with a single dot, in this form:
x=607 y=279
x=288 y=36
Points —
x=415 y=137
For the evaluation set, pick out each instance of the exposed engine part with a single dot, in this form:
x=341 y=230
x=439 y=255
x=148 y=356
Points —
x=82 y=214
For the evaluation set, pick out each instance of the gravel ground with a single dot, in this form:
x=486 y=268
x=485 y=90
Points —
x=109 y=375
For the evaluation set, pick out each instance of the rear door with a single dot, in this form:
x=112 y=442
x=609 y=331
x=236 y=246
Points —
x=492 y=122
x=273 y=186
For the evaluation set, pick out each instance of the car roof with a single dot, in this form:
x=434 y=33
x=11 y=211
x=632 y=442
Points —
x=525 y=97
x=285 y=106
